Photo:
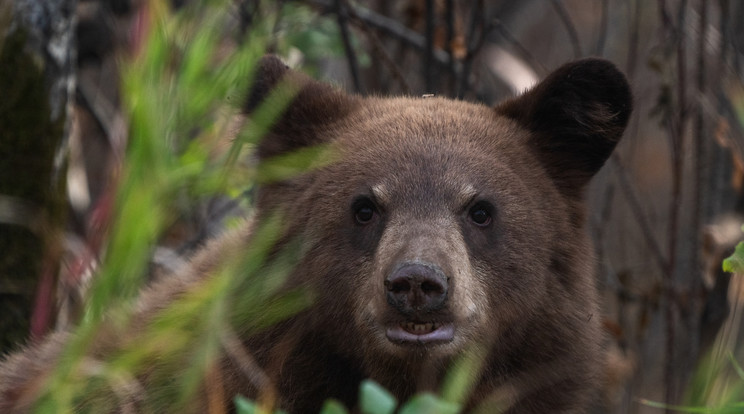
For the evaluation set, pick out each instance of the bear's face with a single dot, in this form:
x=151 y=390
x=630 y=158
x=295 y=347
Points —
x=440 y=223
x=429 y=222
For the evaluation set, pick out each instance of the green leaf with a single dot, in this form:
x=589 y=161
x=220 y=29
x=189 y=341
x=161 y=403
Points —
x=735 y=263
x=465 y=371
x=244 y=405
x=429 y=404
x=739 y=370
x=333 y=407
x=376 y=400
x=286 y=166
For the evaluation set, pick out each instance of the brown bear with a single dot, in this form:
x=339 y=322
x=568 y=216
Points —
x=438 y=228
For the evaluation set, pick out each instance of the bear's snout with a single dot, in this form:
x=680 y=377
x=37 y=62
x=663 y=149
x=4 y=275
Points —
x=416 y=288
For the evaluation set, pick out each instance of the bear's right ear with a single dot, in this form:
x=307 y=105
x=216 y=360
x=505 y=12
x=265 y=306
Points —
x=300 y=124
x=575 y=116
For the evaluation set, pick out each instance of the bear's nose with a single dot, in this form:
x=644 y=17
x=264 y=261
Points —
x=416 y=288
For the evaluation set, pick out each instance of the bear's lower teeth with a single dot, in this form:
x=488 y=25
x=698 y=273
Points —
x=420 y=328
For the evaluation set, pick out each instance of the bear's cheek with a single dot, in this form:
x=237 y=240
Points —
x=509 y=258
x=515 y=283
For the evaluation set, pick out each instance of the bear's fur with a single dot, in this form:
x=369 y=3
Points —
x=438 y=228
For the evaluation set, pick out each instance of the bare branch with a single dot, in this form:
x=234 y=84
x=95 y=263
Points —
x=473 y=44
x=635 y=206
x=429 y=50
x=573 y=35
x=449 y=12
x=602 y=37
x=675 y=127
x=388 y=26
x=380 y=52
x=523 y=51
x=633 y=29
x=248 y=366
x=342 y=18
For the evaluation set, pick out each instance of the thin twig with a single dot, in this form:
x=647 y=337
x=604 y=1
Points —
x=682 y=64
x=700 y=153
x=380 y=52
x=602 y=37
x=342 y=17
x=725 y=29
x=521 y=49
x=598 y=225
x=449 y=15
x=236 y=351
x=701 y=174
x=473 y=44
x=271 y=46
x=429 y=50
x=388 y=26
x=737 y=30
x=573 y=35
x=247 y=10
x=675 y=127
x=634 y=26
x=637 y=210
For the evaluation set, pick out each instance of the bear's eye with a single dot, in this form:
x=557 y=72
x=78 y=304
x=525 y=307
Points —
x=364 y=210
x=480 y=214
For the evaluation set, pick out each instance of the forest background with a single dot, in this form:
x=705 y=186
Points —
x=664 y=212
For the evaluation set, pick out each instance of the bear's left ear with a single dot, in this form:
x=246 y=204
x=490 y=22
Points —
x=575 y=116
x=313 y=106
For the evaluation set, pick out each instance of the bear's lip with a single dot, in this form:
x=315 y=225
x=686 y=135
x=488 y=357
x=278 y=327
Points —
x=409 y=332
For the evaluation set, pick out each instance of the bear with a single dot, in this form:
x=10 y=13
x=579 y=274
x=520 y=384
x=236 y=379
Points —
x=437 y=228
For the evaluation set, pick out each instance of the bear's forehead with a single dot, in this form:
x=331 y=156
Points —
x=427 y=149
x=434 y=129
x=418 y=121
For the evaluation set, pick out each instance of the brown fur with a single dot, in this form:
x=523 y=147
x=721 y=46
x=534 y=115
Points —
x=520 y=287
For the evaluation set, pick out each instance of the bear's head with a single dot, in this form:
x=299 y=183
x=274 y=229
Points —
x=438 y=223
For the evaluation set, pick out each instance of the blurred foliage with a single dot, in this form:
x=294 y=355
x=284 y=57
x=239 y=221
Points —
x=375 y=399
x=316 y=37
x=735 y=262
x=177 y=88
x=716 y=388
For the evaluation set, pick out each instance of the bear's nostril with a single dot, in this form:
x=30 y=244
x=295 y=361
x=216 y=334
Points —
x=401 y=285
x=416 y=287
x=431 y=287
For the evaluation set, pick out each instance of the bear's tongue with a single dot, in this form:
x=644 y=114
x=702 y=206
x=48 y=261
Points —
x=427 y=332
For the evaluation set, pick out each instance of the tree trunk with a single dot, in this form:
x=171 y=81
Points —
x=36 y=85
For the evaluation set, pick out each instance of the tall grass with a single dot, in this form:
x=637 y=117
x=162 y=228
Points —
x=181 y=87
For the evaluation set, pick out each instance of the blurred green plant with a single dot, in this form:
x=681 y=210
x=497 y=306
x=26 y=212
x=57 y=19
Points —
x=717 y=386
x=375 y=399
x=735 y=262
x=316 y=37
x=177 y=87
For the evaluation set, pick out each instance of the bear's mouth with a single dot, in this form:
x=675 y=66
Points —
x=410 y=332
